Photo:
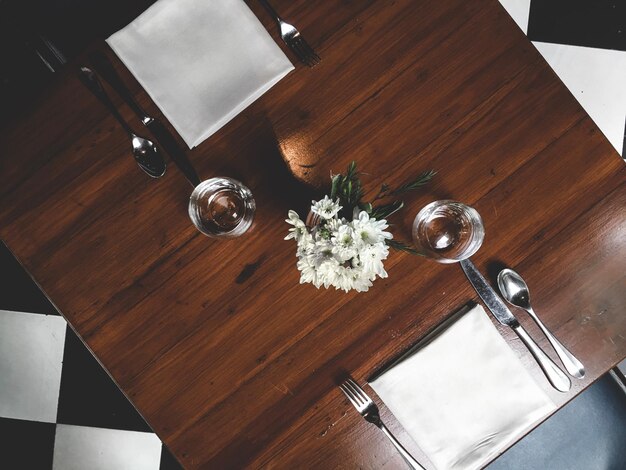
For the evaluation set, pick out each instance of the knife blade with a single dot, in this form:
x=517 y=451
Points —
x=501 y=312
x=105 y=68
x=489 y=296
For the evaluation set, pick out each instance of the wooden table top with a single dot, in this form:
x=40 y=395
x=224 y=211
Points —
x=229 y=359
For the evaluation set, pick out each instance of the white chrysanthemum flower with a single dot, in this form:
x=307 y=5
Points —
x=344 y=246
x=328 y=272
x=320 y=251
x=342 y=278
x=326 y=208
x=351 y=278
x=369 y=231
x=371 y=259
x=308 y=271
x=306 y=243
x=299 y=228
x=361 y=282
x=334 y=224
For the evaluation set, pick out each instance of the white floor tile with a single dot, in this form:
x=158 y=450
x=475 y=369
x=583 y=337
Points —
x=597 y=78
x=519 y=10
x=79 y=448
x=31 y=356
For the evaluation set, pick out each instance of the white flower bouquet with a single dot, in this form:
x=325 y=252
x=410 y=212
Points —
x=347 y=253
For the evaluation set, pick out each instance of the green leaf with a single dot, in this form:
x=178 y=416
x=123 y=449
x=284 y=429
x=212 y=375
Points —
x=421 y=180
x=382 y=212
x=336 y=182
x=347 y=188
x=366 y=206
x=351 y=169
x=400 y=246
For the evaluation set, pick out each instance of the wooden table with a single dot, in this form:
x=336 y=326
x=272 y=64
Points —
x=230 y=360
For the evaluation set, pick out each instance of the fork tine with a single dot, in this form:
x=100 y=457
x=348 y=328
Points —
x=358 y=391
x=356 y=387
x=311 y=55
x=309 y=51
x=296 y=47
x=357 y=397
x=345 y=391
x=349 y=394
x=302 y=47
x=304 y=52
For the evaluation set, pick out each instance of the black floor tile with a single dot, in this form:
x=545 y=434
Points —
x=88 y=396
x=18 y=292
x=596 y=23
x=26 y=444
x=168 y=461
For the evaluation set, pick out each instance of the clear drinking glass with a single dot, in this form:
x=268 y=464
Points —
x=448 y=231
x=221 y=207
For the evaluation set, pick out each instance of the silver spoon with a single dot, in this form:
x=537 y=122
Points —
x=145 y=152
x=515 y=291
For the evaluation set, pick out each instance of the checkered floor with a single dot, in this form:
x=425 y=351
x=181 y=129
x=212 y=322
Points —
x=585 y=44
x=58 y=408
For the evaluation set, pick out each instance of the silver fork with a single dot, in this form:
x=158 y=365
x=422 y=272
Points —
x=368 y=409
x=293 y=38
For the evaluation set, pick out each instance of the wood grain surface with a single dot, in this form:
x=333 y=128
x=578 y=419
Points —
x=229 y=359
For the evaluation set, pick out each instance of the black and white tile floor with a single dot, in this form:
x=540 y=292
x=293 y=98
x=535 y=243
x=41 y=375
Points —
x=58 y=408
x=585 y=44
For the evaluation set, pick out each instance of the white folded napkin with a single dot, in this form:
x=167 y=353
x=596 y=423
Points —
x=463 y=396
x=201 y=61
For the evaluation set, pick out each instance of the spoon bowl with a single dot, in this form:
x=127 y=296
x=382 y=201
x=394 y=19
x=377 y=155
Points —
x=514 y=289
x=147 y=156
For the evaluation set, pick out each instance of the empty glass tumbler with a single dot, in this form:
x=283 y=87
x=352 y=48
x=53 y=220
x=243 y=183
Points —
x=448 y=231
x=222 y=207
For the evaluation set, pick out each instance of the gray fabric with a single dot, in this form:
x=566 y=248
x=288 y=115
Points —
x=589 y=433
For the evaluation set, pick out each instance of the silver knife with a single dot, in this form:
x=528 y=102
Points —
x=555 y=375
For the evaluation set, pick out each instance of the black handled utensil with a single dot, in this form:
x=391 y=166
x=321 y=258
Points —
x=145 y=152
x=105 y=68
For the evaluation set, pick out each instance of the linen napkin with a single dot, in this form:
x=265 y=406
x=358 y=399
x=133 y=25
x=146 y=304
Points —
x=463 y=395
x=201 y=61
